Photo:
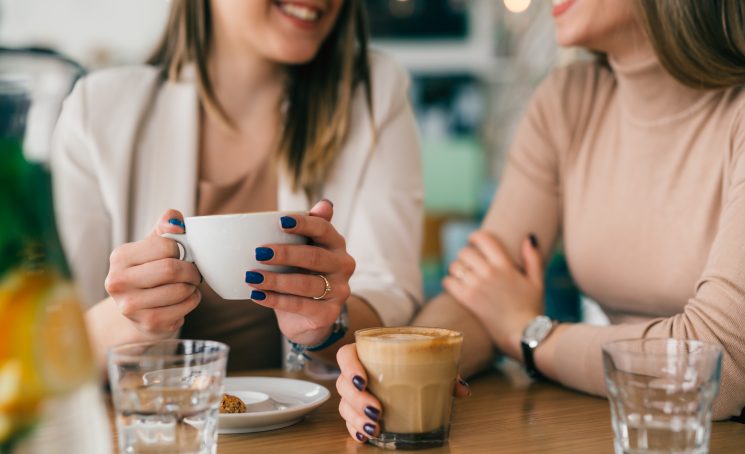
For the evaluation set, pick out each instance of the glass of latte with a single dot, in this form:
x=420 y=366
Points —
x=412 y=372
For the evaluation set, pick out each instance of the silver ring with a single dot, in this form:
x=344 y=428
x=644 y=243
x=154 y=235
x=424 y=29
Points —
x=326 y=290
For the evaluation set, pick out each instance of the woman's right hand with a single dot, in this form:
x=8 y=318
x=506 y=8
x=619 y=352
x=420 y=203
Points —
x=360 y=409
x=150 y=285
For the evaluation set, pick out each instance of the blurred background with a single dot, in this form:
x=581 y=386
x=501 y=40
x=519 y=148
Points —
x=474 y=64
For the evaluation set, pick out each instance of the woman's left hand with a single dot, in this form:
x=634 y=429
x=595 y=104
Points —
x=505 y=298
x=302 y=318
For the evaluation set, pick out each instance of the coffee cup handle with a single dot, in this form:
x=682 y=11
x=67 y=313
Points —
x=184 y=251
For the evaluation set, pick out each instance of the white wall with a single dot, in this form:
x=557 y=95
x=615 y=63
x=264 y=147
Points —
x=94 y=32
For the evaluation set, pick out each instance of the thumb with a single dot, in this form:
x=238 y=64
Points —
x=323 y=209
x=533 y=260
x=171 y=221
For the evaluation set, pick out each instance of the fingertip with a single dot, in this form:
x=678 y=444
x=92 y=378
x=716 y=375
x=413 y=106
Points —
x=462 y=388
x=323 y=208
x=288 y=222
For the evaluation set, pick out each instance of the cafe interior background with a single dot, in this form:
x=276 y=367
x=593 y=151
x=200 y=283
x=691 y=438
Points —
x=474 y=64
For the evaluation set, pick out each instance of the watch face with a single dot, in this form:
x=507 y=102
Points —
x=537 y=329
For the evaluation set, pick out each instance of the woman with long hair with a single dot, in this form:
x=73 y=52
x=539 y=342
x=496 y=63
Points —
x=245 y=106
x=637 y=162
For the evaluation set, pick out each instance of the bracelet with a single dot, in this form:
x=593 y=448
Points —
x=297 y=357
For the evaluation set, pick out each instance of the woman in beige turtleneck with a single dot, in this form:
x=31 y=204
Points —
x=639 y=167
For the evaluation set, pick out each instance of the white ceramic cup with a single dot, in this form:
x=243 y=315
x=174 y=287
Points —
x=224 y=247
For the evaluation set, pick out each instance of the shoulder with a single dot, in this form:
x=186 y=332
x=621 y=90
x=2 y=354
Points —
x=572 y=90
x=110 y=93
x=565 y=102
x=390 y=83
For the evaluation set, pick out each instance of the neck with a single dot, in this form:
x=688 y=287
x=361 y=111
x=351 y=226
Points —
x=243 y=80
x=628 y=45
x=649 y=94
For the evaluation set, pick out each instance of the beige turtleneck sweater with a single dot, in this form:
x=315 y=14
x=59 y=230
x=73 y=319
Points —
x=645 y=181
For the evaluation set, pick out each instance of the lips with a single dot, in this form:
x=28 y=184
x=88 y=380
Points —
x=560 y=6
x=301 y=11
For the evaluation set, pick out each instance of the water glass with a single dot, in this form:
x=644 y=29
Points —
x=660 y=393
x=166 y=395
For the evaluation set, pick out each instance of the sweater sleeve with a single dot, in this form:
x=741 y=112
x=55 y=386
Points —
x=528 y=199
x=716 y=312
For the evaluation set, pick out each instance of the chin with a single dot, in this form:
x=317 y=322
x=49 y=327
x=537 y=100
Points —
x=294 y=54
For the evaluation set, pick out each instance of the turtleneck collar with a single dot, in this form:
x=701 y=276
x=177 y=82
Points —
x=649 y=94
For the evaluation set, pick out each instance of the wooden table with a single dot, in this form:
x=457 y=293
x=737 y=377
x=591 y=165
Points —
x=506 y=413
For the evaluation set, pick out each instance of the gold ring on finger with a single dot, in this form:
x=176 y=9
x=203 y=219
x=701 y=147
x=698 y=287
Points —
x=326 y=289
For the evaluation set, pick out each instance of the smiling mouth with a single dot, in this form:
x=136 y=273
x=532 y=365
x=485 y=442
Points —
x=299 y=11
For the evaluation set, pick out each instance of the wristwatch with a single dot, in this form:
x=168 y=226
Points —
x=296 y=357
x=533 y=335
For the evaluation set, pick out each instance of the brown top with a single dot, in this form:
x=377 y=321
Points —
x=236 y=181
x=645 y=180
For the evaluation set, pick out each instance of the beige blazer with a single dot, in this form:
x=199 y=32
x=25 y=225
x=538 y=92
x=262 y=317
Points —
x=126 y=149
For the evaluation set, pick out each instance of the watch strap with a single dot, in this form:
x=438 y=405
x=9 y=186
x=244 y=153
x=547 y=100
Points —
x=529 y=361
x=297 y=355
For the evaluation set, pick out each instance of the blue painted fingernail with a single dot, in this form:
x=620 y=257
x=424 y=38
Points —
x=252 y=277
x=369 y=428
x=372 y=413
x=177 y=222
x=360 y=437
x=258 y=296
x=358 y=382
x=264 y=253
x=464 y=383
x=287 y=222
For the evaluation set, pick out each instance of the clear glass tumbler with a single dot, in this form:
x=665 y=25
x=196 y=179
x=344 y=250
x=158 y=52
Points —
x=412 y=372
x=660 y=393
x=166 y=395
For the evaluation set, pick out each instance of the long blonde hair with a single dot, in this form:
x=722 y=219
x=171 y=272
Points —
x=318 y=94
x=700 y=42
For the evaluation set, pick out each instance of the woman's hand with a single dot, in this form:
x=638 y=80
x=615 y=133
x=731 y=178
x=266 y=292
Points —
x=360 y=409
x=150 y=285
x=505 y=298
x=301 y=318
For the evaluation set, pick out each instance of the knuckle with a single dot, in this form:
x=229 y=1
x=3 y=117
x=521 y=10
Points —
x=116 y=256
x=314 y=258
x=127 y=306
x=351 y=264
x=150 y=322
x=344 y=291
x=114 y=283
x=170 y=269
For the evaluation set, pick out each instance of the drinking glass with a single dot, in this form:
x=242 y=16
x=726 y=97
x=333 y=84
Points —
x=660 y=393
x=412 y=372
x=166 y=395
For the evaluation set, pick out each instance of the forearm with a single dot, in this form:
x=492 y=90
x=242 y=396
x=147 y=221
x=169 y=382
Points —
x=445 y=312
x=361 y=315
x=107 y=327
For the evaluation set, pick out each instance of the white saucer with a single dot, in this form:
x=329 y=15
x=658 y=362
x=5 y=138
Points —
x=271 y=403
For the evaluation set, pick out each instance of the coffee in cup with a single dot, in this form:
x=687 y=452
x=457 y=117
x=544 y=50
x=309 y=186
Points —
x=412 y=372
x=224 y=247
